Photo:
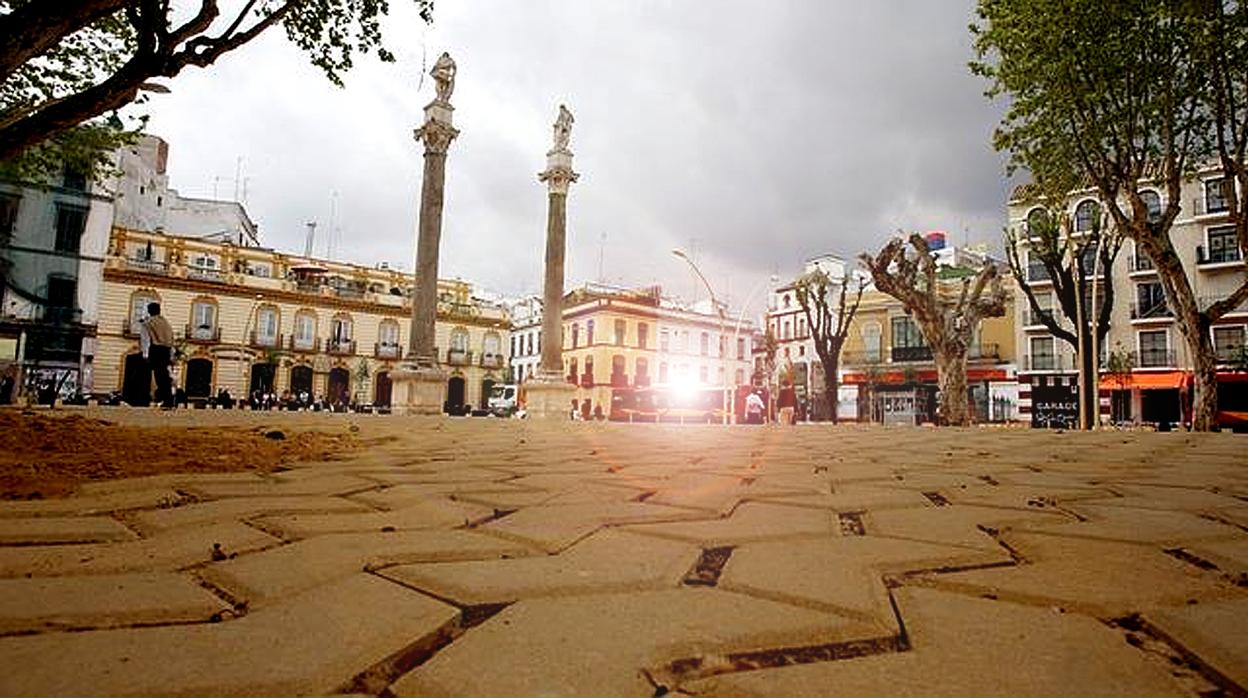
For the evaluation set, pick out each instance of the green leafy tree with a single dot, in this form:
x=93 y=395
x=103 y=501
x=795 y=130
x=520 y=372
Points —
x=64 y=63
x=1124 y=97
x=947 y=313
x=829 y=313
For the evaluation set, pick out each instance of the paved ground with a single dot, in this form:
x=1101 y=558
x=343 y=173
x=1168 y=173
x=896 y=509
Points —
x=495 y=558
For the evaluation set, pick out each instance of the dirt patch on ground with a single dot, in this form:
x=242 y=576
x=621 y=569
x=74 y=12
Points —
x=48 y=456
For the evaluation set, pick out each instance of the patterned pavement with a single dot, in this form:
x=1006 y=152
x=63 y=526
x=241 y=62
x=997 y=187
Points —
x=459 y=557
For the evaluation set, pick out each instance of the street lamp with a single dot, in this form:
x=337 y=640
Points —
x=722 y=339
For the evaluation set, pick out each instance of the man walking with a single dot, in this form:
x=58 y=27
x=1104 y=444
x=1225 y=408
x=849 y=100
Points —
x=156 y=342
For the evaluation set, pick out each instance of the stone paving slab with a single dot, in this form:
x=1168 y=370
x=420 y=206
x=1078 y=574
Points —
x=309 y=645
x=554 y=528
x=433 y=511
x=170 y=550
x=608 y=561
x=1216 y=632
x=970 y=647
x=752 y=521
x=80 y=529
x=87 y=505
x=43 y=603
x=199 y=514
x=269 y=576
x=329 y=484
x=561 y=647
x=1133 y=525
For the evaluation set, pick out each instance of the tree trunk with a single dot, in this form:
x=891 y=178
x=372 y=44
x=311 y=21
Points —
x=831 y=386
x=951 y=377
x=1195 y=330
x=1089 y=388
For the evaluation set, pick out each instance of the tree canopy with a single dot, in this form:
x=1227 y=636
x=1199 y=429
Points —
x=72 y=62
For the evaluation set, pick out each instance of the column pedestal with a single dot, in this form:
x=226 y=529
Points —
x=417 y=390
x=549 y=398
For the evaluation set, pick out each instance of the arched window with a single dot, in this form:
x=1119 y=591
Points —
x=138 y=308
x=621 y=328
x=643 y=332
x=1039 y=223
x=589 y=333
x=388 y=339
x=203 y=318
x=1087 y=216
x=641 y=372
x=491 y=344
x=341 y=331
x=268 y=323
x=459 y=339
x=618 y=376
x=587 y=380
x=304 y=336
x=786 y=300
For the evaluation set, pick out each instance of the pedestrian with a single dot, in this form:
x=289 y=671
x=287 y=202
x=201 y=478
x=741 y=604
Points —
x=787 y=402
x=754 y=408
x=156 y=343
x=6 y=389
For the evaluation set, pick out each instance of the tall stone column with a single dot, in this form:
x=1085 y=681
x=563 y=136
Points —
x=548 y=397
x=419 y=385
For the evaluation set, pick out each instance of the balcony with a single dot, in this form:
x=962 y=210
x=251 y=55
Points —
x=1034 y=319
x=1140 y=263
x=203 y=334
x=1225 y=255
x=1209 y=206
x=587 y=380
x=1153 y=358
x=387 y=350
x=458 y=357
x=901 y=354
x=205 y=274
x=56 y=315
x=265 y=341
x=1157 y=310
x=491 y=361
x=619 y=380
x=147 y=266
x=862 y=358
x=307 y=345
x=340 y=347
x=1048 y=362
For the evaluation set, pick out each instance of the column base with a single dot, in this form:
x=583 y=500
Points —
x=549 y=399
x=417 y=390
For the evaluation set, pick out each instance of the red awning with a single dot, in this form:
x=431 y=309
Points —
x=1164 y=380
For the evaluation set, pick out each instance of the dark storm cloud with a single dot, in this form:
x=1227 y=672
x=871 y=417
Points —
x=757 y=134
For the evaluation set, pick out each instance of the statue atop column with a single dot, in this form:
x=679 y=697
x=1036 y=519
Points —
x=563 y=129
x=443 y=73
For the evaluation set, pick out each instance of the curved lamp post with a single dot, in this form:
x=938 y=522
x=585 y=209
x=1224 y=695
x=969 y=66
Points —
x=719 y=309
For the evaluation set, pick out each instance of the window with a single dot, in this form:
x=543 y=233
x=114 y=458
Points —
x=641 y=372
x=261 y=270
x=786 y=300
x=1228 y=343
x=871 y=341
x=618 y=377
x=1218 y=194
x=1150 y=301
x=74 y=179
x=1039 y=223
x=702 y=374
x=682 y=342
x=459 y=340
x=71 y=221
x=906 y=333
x=643 y=332
x=62 y=292
x=665 y=344
x=305 y=330
x=706 y=344
x=1042 y=355
x=801 y=327
x=620 y=328
x=203 y=261
x=1152 y=201
x=589 y=369
x=589 y=333
x=1154 y=349
x=786 y=332
x=138 y=310
x=723 y=346
x=1087 y=216
x=572 y=371
x=576 y=335
x=267 y=321
x=662 y=372
x=1223 y=245
x=1036 y=271
x=801 y=350
x=528 y=342
x=388 y=338
x=1087 y=260
x=513 y=345
x=491 y=344
x=740 y=377
x=203 y=319
x=8 y=216
x=740 y=348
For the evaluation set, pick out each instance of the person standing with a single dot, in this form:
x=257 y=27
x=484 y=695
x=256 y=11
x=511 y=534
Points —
x=156 y=342
x=787 y=402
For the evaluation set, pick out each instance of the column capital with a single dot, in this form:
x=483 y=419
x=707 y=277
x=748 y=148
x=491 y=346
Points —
x=558 y=179
x=436 y=135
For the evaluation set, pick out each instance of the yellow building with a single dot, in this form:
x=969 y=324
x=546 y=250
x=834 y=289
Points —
x=251 y=319
x=885 y=358
x=615 y=338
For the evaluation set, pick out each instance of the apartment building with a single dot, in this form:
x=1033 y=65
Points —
x=1142 y=328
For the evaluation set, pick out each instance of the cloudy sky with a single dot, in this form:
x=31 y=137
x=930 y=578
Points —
x=751 y=135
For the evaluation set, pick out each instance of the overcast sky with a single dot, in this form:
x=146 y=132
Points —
x=751 y=135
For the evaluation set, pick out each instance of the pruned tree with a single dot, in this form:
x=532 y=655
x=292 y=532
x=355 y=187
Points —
x=1069 y=261
x=829 y=314
x=1150 y=92
x=67 y=62
x=947 y=313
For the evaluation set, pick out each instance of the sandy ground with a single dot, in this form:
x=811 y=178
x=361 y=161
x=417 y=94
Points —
x=46 y=453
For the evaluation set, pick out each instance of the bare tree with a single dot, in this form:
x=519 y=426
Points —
x=947 y=321
x=816 y=293
x=1068 y=264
